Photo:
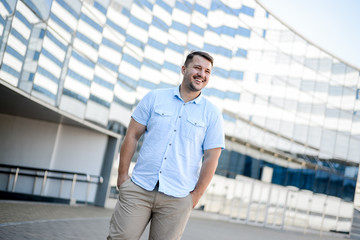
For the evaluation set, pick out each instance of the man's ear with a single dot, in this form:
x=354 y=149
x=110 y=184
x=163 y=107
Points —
x=183 y=70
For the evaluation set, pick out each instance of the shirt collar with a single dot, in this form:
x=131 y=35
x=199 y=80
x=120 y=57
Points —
x=197 y=100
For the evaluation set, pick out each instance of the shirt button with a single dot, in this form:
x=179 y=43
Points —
x=165 y=158
x=174 y=130
x=169 y=144
x=184 y=104
x=179 y=116
x=160 y=171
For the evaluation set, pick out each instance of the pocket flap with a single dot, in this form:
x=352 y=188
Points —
x=162 y=112
x=196 y=122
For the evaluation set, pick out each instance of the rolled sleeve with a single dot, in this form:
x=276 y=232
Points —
x=215 y=137
x=142 y=112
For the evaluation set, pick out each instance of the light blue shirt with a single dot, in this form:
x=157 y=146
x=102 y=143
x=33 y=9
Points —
x=177 y=133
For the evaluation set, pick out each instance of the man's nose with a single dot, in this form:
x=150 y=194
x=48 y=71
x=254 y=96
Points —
x=201 y=73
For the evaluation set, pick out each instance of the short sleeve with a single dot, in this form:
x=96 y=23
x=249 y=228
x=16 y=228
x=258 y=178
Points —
x=142 y=112
x=214 y=137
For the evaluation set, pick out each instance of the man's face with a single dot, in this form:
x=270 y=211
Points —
x=196 y=74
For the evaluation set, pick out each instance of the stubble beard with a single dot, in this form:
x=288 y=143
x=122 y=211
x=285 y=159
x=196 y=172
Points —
x=193 y=87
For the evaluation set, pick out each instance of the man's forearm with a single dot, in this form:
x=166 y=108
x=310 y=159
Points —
x=126 y=153
x=206 y=173
x=128 y=148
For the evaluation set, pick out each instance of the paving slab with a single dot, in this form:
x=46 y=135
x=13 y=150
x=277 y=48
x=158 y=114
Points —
x=29 y=220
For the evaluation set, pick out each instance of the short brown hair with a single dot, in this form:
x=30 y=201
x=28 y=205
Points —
x=205 y=55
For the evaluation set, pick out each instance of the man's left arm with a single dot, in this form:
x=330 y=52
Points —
x=211 y=157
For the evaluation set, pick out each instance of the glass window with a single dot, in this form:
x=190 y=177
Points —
x=307 y=179
x=100 y=7
x=135 y=41
x=92 y=23
x=127 y=80
x=348 y=192
x=40 y=7
x=99 y=101
x=44 y=91
x=9 y=5
x=108 y=64
x=78 y=77
x=232 y=95
x=165 y=6
x=293 y=177
x=184 y=6
x=171 y=67
x=241 y=53
x=200 y=9
x=338 y=68
x=16 y=34
x=71 y=6
x=103 y=83
x=74 y=95
x=14 y=53
x=243 y=32
x=61 y=23
x=321 y=181
x=238 y=75
x=156 y=44
x=247 y=10
x=176 y=47
x=87 y=40
x=115 y=27
x=335 y=185
x=220 y=72
x=179 y=26
x=159 y=23
x=197 y=29
x=146 y=84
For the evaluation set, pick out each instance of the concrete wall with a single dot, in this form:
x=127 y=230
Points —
x=35 y=143
x=79 y=149
x=26 y=142
x=40 y=144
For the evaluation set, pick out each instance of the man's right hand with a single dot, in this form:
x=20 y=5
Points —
x=121 y=179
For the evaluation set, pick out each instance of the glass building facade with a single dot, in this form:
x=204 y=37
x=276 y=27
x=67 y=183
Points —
x=287 y=104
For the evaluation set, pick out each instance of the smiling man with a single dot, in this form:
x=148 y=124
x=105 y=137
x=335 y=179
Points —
x=183 y=139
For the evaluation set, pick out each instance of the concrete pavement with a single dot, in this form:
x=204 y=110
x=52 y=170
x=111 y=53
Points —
x=29 y=220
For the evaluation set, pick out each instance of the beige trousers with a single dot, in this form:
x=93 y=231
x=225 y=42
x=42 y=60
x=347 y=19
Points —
x=136 y=207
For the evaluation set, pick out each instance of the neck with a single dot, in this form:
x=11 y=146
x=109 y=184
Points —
x=188 y=95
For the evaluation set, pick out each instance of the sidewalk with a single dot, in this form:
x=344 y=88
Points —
x=29 y=220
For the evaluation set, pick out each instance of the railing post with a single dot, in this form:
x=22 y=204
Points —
x=88 y=179
x=73 y=186
x=285 y=210
x=323 y=216
x=44 y=182
x=15 y=179
x=250 y=201
x=267 y=206
x=308 y=214
x=61 y=185
x=35 y=181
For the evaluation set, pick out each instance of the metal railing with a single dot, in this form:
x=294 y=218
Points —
x=259 y=203
x=74 y=186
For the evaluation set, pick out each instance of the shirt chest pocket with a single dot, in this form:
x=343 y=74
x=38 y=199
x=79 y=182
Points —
x=161 y=119
x=194 y=129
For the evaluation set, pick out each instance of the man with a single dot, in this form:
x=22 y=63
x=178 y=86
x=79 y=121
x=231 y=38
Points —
x=181 y=127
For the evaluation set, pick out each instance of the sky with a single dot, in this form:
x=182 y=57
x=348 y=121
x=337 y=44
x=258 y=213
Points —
x=333 y=25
